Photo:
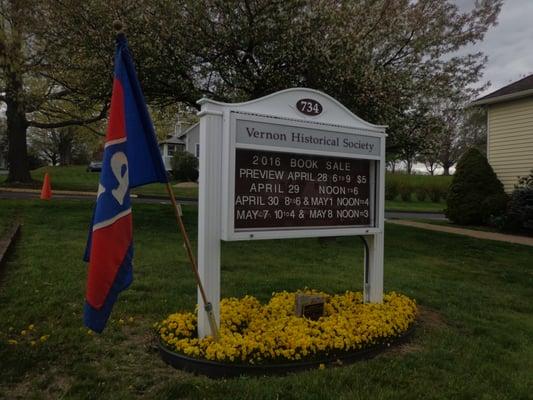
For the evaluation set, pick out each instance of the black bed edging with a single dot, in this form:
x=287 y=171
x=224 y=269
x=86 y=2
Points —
x=7 y=242
x=213 y=369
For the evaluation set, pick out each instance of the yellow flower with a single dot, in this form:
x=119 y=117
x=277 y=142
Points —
x=12 y=342
x=251 y=332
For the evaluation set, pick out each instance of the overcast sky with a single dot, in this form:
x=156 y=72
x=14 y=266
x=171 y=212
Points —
x=509 y=44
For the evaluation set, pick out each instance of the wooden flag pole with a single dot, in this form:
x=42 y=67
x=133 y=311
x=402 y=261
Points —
x=207 y=305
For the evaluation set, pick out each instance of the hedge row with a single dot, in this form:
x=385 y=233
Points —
x=419 y=187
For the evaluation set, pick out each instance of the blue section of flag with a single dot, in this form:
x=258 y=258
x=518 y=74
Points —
x=145 y=162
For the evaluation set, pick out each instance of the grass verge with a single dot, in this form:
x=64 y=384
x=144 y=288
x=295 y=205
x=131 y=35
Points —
x=77 y=178
x=415 y=206
x=474 y=340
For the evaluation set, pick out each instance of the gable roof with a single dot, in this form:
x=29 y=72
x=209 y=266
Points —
x=179 y=138
x=515 y=90
x=172 y=140
x=188 y=130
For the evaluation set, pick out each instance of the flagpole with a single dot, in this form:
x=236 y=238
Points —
x=207 y=305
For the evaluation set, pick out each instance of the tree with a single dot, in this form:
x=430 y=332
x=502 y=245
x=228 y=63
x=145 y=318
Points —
x=31 y=84
x=378 y=57
x=429 y=154
x=456 y=128
x=3 y=143
x=408 y=140
x=64 y=146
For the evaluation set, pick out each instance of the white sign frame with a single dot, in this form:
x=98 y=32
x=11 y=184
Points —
x=229 y=232
x=217 y=176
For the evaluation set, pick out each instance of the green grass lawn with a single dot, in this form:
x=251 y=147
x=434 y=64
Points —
x=473 y=341
x=415 y=206
x=78 y=179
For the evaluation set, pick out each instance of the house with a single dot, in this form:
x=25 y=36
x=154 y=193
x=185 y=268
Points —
x=510 y=130
x=191 y=137
x=188 y=140
x=168 y=148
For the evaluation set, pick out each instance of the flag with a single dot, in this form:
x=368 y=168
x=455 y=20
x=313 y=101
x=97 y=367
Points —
x=131 y=159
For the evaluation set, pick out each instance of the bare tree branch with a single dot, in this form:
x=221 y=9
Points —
x=48 y=97
x=79 y=121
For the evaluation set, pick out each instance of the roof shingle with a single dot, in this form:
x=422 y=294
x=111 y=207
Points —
x=521 y=85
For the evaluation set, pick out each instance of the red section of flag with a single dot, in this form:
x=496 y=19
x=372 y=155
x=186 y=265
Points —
x=116 y=128
x=108 y=249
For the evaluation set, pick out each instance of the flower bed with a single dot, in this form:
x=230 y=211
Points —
x=256 y=334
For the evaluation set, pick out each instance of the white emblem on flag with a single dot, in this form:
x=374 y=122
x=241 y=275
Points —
x=118 y=161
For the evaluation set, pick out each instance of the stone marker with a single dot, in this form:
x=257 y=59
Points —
x=308 y=306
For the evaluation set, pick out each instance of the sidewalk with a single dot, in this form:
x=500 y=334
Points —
x=501 y=237
x=61 y=192
x=20 y=193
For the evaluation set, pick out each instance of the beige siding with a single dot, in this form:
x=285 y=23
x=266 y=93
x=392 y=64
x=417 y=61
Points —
x=510 y=141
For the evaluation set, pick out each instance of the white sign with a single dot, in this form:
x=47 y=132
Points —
x=288 y=179
x=293 y=164
x=300 y=137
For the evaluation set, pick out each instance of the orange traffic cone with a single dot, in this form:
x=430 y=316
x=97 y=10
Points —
x=46 y=191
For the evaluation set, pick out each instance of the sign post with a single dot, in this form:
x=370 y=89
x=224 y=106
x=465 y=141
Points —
x=293 y=164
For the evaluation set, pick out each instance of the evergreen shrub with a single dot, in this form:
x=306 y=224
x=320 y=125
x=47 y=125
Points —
x=184 y=166
x=476 y=195
x=519 y=216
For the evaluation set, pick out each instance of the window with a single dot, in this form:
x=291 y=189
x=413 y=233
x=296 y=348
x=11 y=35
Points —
x=197 y=150
x=171 y=149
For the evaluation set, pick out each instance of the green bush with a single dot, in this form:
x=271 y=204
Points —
x=435 y=193
x=519 y=216
x=391 y=189
x=421 y=194
x=184 y=166
x=406 y=190
x=428 y=183
x=476 y=195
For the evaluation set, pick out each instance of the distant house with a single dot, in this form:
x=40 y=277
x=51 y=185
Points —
x=510 y=130
x=168 y=148
x=188 y=140
x=191 y=137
